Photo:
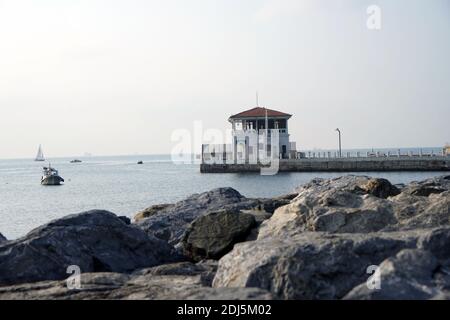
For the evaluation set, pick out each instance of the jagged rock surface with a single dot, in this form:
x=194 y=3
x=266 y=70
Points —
x=348 y=205
x=96 y=241
x=213 y=235
x=180 y=283
x=312 y=265
x=172 y=222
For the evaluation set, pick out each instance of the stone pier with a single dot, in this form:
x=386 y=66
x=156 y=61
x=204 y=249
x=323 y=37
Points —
x=434 y=163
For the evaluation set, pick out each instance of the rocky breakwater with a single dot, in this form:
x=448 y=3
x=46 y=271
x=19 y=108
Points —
x=95 y=241
x=326 y=243
x=321 y=242
x=120 y=260
x=170 y=222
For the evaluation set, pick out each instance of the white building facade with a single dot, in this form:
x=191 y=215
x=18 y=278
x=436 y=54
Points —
x=261 y=133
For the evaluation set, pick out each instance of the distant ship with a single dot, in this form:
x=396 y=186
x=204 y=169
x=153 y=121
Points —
x=40 y=155
x=75 y=161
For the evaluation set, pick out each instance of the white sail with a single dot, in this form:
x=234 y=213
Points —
x=40 y=155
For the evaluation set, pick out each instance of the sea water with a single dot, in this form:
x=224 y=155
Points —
x=120 y=185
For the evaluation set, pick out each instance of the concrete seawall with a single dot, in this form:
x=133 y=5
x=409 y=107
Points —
x=437 y=163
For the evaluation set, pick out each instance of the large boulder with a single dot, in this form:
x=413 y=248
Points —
x=413 y=212
x=213 y=235
x=171 y=222
x=422 y=273
x=311 y=265
x=95 y=241
x=341 y=205
x=411 y=274
x=353 y=204
x=428 y=187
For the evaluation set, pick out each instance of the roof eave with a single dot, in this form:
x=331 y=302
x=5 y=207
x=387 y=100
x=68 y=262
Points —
x=287 y=116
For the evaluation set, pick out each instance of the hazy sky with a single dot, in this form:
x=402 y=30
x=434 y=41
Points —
x=118 y=76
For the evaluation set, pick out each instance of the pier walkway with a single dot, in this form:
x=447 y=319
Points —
x=351 y=164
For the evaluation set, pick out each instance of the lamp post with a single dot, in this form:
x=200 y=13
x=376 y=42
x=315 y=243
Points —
x=340 y=148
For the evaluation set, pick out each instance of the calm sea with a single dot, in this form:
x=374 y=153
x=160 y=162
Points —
x=122 y=186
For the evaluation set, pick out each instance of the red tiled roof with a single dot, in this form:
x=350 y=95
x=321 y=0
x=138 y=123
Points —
x=260 y=112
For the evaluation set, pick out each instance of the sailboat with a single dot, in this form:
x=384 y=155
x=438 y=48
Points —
x=40 y=155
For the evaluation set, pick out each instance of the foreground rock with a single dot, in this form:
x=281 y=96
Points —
x=411 y=274
x=354 y=204
x=342 y=205
x=213 y=235
x=423 y=273
x=175 y=281
x=428 y=187
x=318 y=265
x=418 y=207
x=2 y=238
x=96 y=241
x=205 y=270
x=171 y=222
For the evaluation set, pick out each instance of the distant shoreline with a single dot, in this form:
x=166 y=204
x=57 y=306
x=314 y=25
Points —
x=384 y=149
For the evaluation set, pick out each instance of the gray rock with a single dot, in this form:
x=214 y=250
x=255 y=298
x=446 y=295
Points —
x=426 y=191
x=213 y=235
x=95 y=286
x=338 y=205
x=310 y=265
x=411 y=274
x=206 y=270
x=171 y=222
x=96 y=241
x=150 y=211
x=380 y=188
x=2 y=238
x=125 y=219
x=437 y=242
x=270 y=205
x=413 y=212
x=428 y=187
x=353 y=204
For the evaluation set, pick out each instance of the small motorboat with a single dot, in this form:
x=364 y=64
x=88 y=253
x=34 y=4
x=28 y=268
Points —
x=75 y=161
x=51 y=177
x=140 y=162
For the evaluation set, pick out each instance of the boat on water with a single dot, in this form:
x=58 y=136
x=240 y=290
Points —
x=39 y=155
x=51 y=177
x=75 y=161
x=140 y=162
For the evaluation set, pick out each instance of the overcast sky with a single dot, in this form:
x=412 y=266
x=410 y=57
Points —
x=117 y=77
